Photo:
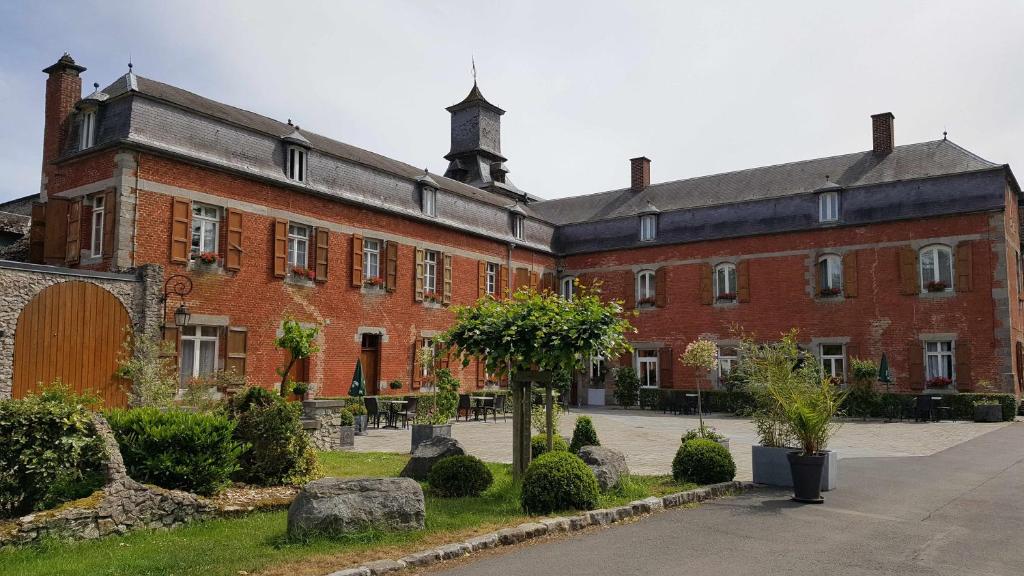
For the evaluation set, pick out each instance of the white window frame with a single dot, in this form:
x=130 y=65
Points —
x=567 y=287
x=939 y=354
x=296 y=159
x=430 y=271
x=648 y=227
x=1020 y=274
x=87 y=138
x=98 y=210
x=933 y=252
x=645 y=287
x=828 y=362
x=828 y=207
x=428 y=201
x=195 y=340
x=298 y=236
x=518 y=223
x=639 y=362
x=727 y=362
x=829 y=266
x=208 y=219
x=729 y=287
x=426 y=369
x=492 y=278
x=371 y=258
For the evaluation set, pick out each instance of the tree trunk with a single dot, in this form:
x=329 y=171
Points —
x=520 y=428
x=549 y=408
x=284 y=375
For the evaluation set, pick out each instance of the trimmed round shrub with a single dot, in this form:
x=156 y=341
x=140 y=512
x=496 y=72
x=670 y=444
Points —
x=558 y=481
x=457 y=476
x=539 y=444
x=347 y=419
x=279 y=451
x=703 y=462
x=176 y=449
x=583 y=434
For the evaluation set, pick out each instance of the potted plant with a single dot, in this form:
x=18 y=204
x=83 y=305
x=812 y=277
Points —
x=205 y=261
x=726 y=297
x=300 y=389
x=433 y=297
x=988 y=410
x=303 y=273
x=347 y=429
x=395 y=384
x=647 y=301
x=375 y=281
x=435 y=410
x=829 y=292
x=358 y=414
x=936 y=286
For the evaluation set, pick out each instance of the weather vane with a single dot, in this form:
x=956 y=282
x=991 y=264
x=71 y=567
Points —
x=473 y=60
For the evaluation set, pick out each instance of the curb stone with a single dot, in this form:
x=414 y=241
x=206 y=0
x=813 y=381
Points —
x=544 y=526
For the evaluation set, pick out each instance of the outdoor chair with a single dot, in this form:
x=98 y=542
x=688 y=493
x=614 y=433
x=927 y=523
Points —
x=464 y=408
x=923 y=408
x=408 y=411
x=495 y=406
x=372 y=411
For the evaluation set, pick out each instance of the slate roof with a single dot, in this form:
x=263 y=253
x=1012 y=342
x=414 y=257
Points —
x=912 y=161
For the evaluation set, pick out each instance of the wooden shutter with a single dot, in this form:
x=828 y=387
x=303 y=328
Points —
x=323 y=239
x=417 y=369
x=280 y=248
x=391 y=267
x=109 y=221
x=915 y=360
x=481 y=373
x=963 y=267
x=547 y=281
x=236 y=344
x=446 y=296
x=816 y=276
x=909 y=282
x=170 y=335
x=55 y=241
x=418 y=292
x=37 y=233
x=481 y=279
x=357 y=260
x=73 y=239
x=743 y=281
x=181 y=230
x=522 y=278
x=233 y=250
x=503 y=281
x=707 y=290
x=665 y=365
x=850 y=275
x=963 y=366
x=660 y=287
x=534 y=281
x=630 y=299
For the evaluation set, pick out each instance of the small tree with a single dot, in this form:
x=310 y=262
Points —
x=299 y=342
x=148 y=363
x=627 y=387
x=700 y=354
x=439 y=406
x=583 y=434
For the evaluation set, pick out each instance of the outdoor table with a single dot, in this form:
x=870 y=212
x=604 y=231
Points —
x=937 y=409
x=391 y=411
x=691 y=403
x=480 y=401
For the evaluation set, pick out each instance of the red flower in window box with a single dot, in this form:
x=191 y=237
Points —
x=375 y=281
x=303 y=272
x=939 y=382
x=207 y=257
x=830 y=292
x=431 y=296
x=937 y=286
x=648 y=301
x=726 y=297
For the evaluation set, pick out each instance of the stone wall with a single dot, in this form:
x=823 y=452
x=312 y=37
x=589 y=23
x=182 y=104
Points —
x=140 y=292
x=321 y=419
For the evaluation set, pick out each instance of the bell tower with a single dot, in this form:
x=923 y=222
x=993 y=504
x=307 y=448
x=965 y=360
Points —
x=475 y=156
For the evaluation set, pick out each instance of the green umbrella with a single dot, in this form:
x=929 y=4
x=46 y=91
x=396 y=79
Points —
x=357 y=389
x=883 y=370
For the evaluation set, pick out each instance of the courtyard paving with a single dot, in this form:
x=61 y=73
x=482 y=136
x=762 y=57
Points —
x=649 y=439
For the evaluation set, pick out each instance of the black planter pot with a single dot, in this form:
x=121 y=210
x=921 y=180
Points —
x=806 y=470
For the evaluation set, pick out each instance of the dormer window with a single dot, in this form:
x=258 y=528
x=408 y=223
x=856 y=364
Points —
x=517 y=226
x=295 y=167
x=428 y=201
x=648 y=227
x=87 y=136
x=828 y=207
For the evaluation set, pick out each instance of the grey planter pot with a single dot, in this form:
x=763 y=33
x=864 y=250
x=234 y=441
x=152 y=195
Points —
x=348 y=438
x=423 y=432
x=988 y=413
x=771 y=467
x=360 y=425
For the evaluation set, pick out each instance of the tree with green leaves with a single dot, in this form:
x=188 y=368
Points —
x=299 y=342
x=536 y=332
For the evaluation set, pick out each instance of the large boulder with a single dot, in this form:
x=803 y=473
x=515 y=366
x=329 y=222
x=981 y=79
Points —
x=334 y=506
x=607 y=464
x=428 y=453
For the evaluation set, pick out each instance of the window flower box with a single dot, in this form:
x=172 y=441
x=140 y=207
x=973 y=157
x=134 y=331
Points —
x=726 y=297
x=939 y=382
x=831 y=292
x=207 y=258
x=648 y=301
x=432 y=297
x=375 y=282
x=936 y=286
x=303 y=273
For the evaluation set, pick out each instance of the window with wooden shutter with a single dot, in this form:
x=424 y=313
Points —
x=481 y=279
x=743 y=281
x=56 y=238
x=963 y=366
x=235 y=349
x=391 y=266
x=446 y=295
x=72 y=242
x=547 y=282
x=322 y=243
x=907 y=262
x=915 y=361
x=963 y=267
x=522 y=278
x=418 y=291
x=233 y=245
x=280 y=248
x=503 y=284
x=109 y=221
x=665 y=365
x=181 y=230
x=661 y=287
x=481 y=373
x=357 y=260
x=37 y=233
x=629 y=301
x=850 y=275
x=706 y=283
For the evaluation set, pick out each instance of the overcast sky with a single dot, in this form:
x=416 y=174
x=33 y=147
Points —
x=699 y=88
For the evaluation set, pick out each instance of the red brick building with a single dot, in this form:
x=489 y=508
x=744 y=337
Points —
x=912 y=251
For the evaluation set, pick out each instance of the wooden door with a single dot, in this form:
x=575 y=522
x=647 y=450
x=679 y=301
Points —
x=369 y=356
x=73 y=331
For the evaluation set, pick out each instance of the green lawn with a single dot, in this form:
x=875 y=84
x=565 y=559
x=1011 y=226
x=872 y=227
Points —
x=257 y=543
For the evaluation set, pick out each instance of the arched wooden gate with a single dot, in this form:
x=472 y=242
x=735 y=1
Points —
x=73 y=331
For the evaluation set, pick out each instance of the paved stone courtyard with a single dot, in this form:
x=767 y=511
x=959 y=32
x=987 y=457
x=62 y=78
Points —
x=649 y=439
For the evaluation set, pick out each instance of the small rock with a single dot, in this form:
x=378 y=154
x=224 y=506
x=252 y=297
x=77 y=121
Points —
x=608 y=465
x=483 y=542
x=337 y=506
x=385 y=567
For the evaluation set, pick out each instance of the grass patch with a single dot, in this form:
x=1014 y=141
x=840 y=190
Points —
x=256 y=542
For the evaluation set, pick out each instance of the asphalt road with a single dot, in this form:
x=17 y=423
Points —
x=960 y=511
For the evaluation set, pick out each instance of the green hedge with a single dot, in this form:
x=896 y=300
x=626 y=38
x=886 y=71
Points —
x=459 y=476
x=716 y=400
x=280 y=451
x=703 y=462
x=558 y=481
x=176 y=449
x=885 y=405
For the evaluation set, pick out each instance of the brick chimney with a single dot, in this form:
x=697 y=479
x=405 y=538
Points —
x=63 y=90
x=881 y=133
x=639 y=173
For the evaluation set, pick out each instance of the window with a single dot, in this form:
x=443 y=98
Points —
x=830 y=275
x=428 y=201
x=97 y=225
x=828 y=206
x=833 y=361
x=728 y=356
x=725 y=282
x=567 y=287
x=648 y=227
x=647 y=368
x=88 y=136
x=938 y=362
x=295 y=167
x=371 y=258
x=426 y=353
x=430 y=271
x=198 y=352
x=493 y=273
x=517 y=226
x=645 y=288
x=598 y=369
x=205 y=228
x=298 y=245
x=936 y=269
x=1020 y=275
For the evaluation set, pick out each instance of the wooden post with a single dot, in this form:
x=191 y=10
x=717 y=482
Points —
x=522 y=383
x=548 y=408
